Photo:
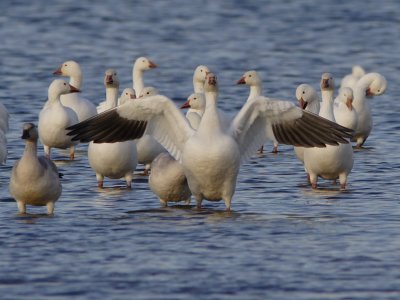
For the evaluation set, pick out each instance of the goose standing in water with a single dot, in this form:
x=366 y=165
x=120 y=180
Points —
x=112 y=160
x=333 y=161
x=253 y=80
x=211 y=156
x=83 y=108
x=34 y=180
x=55 y=117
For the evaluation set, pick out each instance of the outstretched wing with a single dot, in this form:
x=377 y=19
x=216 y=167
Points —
x=264 y=119
x=157 y=116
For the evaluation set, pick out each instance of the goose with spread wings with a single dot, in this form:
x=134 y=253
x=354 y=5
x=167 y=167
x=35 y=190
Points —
x=212 y=155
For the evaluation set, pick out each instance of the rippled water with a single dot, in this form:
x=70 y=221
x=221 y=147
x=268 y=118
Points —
x=282 y=240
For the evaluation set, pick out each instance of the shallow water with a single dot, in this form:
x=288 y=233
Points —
x=282 y=240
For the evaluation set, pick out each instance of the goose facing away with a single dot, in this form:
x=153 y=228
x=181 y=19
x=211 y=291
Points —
x=211 y=156
x=350 y=80
x=54 y=117
x=112 y=160
x=34 y=180
x=83 y=108
x=168 y=181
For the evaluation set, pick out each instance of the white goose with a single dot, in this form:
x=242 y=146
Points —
x=331 y=162
x=141 y=65
x=343 y=110
x=168 y=181
x=351 y=79
x=112 y=160
x=196 y=104
x=127 y=95
x=253 y=80
x=371 y=84
x=55 y=117
x=211 y=156
x=34 y=180
x=309 y=101
x=82 y=107
x=147 y=147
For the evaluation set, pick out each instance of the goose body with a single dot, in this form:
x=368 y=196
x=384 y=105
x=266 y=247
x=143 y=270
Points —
x=83 y=108
x=333 y=161
x=112 y=160
x=55 y=117
x=34 y=180
x=211 y=156
x=168 y=181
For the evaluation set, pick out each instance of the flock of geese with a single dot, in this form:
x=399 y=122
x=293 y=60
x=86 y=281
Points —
x=198 y=154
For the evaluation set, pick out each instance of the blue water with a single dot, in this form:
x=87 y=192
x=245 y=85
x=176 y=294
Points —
x=282 y=240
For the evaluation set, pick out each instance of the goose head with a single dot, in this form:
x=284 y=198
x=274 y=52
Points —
x=69 y=68
x=60 y=87
x=148 y=91
x=195 y=101
x=29 y=132
x=377 y=86
x=111 y=79
x=306 y=95
x=200 y=73
x=127 y=95
x=143 y=63
x=346 y=97
x=250 y=78
x=327 y=83
x=211 y=84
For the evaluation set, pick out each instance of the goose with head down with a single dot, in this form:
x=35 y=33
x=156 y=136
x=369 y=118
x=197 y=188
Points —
x=211 y=156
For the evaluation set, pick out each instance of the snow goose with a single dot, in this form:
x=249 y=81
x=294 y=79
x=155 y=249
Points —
x=34 y=180
x=351 y=79
x=343 y=110
x=308 y=100
x=371 y=84
x=253 y=80
x=54 y=117
x=168 y=181
x=127 y=95
x=196 y=104
x=147 y=147
x=82 y=107
x=141 y=64
x=333 y=161
x=211 y=156
x=112 y=160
